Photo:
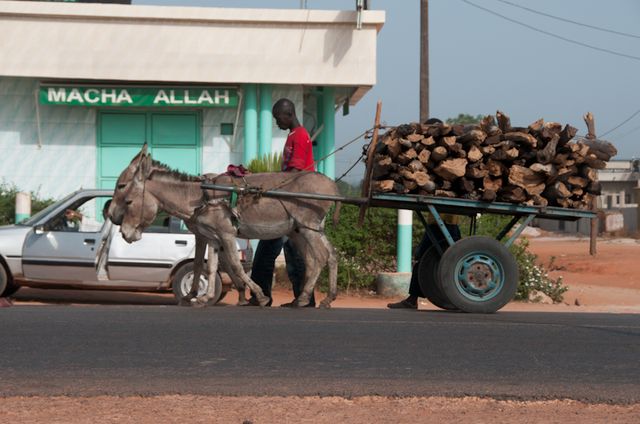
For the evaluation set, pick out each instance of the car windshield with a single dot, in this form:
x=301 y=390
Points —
x=35 y=218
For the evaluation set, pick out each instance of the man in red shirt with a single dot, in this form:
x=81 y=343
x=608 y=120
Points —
x=297 y=156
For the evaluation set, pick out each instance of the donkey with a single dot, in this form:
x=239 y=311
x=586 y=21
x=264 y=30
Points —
x=146 y=186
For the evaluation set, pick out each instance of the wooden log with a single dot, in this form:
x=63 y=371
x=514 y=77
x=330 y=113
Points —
x=539 y=200
x=474 y=154
x=568 y=132
x=512 y=194
x=416 y=165
x=548 y=170
x=594 y=187
x=451 y=169
x=424 y=181
x=489 y=195
x=447 y=142
x=529 y=180
x=475 y=136
x=424 y=156
x=593 y=161
x=393 y=146
x=512 y=153
x=577 y=181
x=446 y=193
x=409 y=185
x=536 y=126
x=494 y=139
x=407 y=156
x=465 y=185
x=384 y=185
x=489 y=126
x=602 y=149
x=383 y=167
x=439 y=153
x=504 y=122
x=487 y=150
x=556 y=191
x=495 y=168
x=550 y=129
x=493 y=184
x=414 y=138
x=428 y=141
x=548 y=153
x=587 y=172
x=521 y=138
x=405 y=143
x=476 y=170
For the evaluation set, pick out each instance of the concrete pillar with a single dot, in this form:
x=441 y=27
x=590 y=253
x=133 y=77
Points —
x=329 y=142
x=23 y=206
x=405 y=232
x=266 y=120
x=318 y=151
x=250 y=147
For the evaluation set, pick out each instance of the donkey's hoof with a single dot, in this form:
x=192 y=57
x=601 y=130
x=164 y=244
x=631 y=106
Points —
x=198 y=303
x=325 y=305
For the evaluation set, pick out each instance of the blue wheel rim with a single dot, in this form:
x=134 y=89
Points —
x=479 y=277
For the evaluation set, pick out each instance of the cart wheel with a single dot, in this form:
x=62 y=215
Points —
x=478 y=274
x=427 y=277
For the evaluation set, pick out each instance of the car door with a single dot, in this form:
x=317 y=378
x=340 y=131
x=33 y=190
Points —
x=61 y=253
x=152 y=258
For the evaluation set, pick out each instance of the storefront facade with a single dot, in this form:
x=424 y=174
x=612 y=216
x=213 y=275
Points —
x=83 y=86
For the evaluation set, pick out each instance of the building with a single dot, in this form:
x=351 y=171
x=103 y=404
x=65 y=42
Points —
x=83 y=86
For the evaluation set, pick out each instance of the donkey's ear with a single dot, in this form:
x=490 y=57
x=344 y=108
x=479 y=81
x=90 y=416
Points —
x=144 y=169
x=145 y=149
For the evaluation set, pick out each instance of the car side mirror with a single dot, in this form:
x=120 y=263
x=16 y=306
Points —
x=39 y=229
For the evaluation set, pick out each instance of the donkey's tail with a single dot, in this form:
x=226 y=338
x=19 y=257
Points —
x=336 y=214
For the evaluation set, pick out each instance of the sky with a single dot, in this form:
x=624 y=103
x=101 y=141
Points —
x=524 y=63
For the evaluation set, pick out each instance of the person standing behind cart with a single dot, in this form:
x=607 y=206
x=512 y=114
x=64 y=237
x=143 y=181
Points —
x=297 y=156
x=451 y=222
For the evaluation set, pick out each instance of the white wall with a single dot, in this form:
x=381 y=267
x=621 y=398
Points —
x=66 y=159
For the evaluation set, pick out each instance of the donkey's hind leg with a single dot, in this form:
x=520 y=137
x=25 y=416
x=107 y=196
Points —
x=198 y=265
x=313 y=251
x=236 y=272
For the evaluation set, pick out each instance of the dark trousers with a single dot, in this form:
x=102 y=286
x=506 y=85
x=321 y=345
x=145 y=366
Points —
x=264 y=262
x=425 y=244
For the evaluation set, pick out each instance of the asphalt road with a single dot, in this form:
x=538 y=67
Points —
x=124 y=350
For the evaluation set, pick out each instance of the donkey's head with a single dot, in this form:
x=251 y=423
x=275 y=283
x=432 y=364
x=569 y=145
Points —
x=132 y=207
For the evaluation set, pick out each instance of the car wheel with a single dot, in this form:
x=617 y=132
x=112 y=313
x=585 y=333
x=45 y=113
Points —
x=183 y=279
x=6 y=288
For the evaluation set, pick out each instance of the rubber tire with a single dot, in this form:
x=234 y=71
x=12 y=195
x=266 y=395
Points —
x=428 y=277
x=6 y=288
x=183 y=272
x=498 y=253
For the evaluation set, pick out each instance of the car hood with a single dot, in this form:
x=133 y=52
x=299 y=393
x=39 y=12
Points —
x=12 y=239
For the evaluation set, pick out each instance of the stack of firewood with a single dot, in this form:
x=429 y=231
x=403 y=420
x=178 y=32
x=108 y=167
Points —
x=536 y=165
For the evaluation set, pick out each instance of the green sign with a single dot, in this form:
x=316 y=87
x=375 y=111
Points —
x=139 y=96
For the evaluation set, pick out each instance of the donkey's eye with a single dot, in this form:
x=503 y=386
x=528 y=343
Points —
x=121 y=186
x=128 y=202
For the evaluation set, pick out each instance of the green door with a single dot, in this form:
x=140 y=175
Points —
x=173 y=139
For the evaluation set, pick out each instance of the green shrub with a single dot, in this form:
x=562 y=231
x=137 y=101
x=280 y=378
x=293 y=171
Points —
x=8 y=203
x=267 y=163
x=534 y=276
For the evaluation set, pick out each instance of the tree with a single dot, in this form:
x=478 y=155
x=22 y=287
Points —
x=465 y=118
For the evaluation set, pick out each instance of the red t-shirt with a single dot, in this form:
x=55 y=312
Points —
x=298 y=151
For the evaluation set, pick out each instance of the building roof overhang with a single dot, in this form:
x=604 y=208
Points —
x=107 y=42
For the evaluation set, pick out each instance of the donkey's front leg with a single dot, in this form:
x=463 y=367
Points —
x=236 y=272
x=198 y=263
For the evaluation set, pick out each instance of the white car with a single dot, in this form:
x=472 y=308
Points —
x=69 y=245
